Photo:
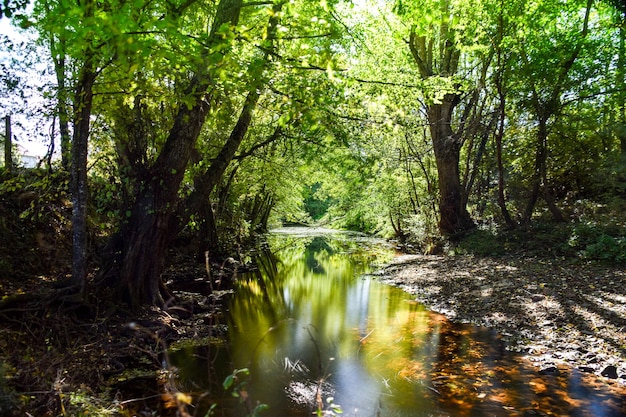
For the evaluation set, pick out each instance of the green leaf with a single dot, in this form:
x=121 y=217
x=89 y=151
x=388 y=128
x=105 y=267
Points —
x=228 y=382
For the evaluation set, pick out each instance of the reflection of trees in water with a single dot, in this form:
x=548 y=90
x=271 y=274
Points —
x=319 y=246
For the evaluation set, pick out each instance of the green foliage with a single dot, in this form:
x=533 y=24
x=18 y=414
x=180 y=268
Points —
x=8 y=8
x=34 y=221
x=579 y=242
x=599 y=242
x=237 y=383
x=607 y=248
x=315 y=205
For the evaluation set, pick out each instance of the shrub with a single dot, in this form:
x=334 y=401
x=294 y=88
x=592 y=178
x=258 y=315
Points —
x=607 y=248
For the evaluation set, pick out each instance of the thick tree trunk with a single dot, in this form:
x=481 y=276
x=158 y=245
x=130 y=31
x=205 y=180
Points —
x=144 y=249
x=152 y=226
x=454 y=218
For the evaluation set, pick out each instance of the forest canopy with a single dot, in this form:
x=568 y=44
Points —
x=427 y=121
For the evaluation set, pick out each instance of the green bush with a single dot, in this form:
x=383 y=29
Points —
x=607 y=248
x=598 y=242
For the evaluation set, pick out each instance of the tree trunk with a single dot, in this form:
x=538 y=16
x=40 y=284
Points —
x=454 y=218
x=58 y=57
x=151 y=226
x=540 y=177
x=79 y=189
x=144 y=248
x=8 y=144
x=499 y=135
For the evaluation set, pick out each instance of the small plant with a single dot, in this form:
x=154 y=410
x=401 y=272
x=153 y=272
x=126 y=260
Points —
x=332 y=410
x=237 y=383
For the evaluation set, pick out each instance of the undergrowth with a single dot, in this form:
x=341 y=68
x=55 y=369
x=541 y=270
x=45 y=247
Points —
x=578 y=242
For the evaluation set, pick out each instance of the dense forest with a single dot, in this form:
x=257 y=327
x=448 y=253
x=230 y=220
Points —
x=194 y=126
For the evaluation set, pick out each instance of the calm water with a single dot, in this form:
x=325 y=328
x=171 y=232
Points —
x=319 y=337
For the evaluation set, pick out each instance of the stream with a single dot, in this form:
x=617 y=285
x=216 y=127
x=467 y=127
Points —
x=311 y=333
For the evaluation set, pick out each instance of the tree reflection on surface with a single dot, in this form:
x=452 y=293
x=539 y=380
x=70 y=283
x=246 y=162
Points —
x=308 y=322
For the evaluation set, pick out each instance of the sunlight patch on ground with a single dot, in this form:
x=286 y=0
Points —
x=594 y=320
x=608 y=301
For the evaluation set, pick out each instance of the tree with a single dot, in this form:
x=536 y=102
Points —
x=499 y=80
x=142 y=241
x=83 y=103
x=172 y=174
x=436 y=42
x=438 y=39
x=80 y=27
x=546 y=75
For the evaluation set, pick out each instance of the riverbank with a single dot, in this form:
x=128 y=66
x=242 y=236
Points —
x=558 y=314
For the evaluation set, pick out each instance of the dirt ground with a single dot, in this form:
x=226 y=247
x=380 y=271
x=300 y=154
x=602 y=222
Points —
x=556 y=313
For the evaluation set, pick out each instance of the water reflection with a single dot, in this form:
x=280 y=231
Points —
x=315 y=334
